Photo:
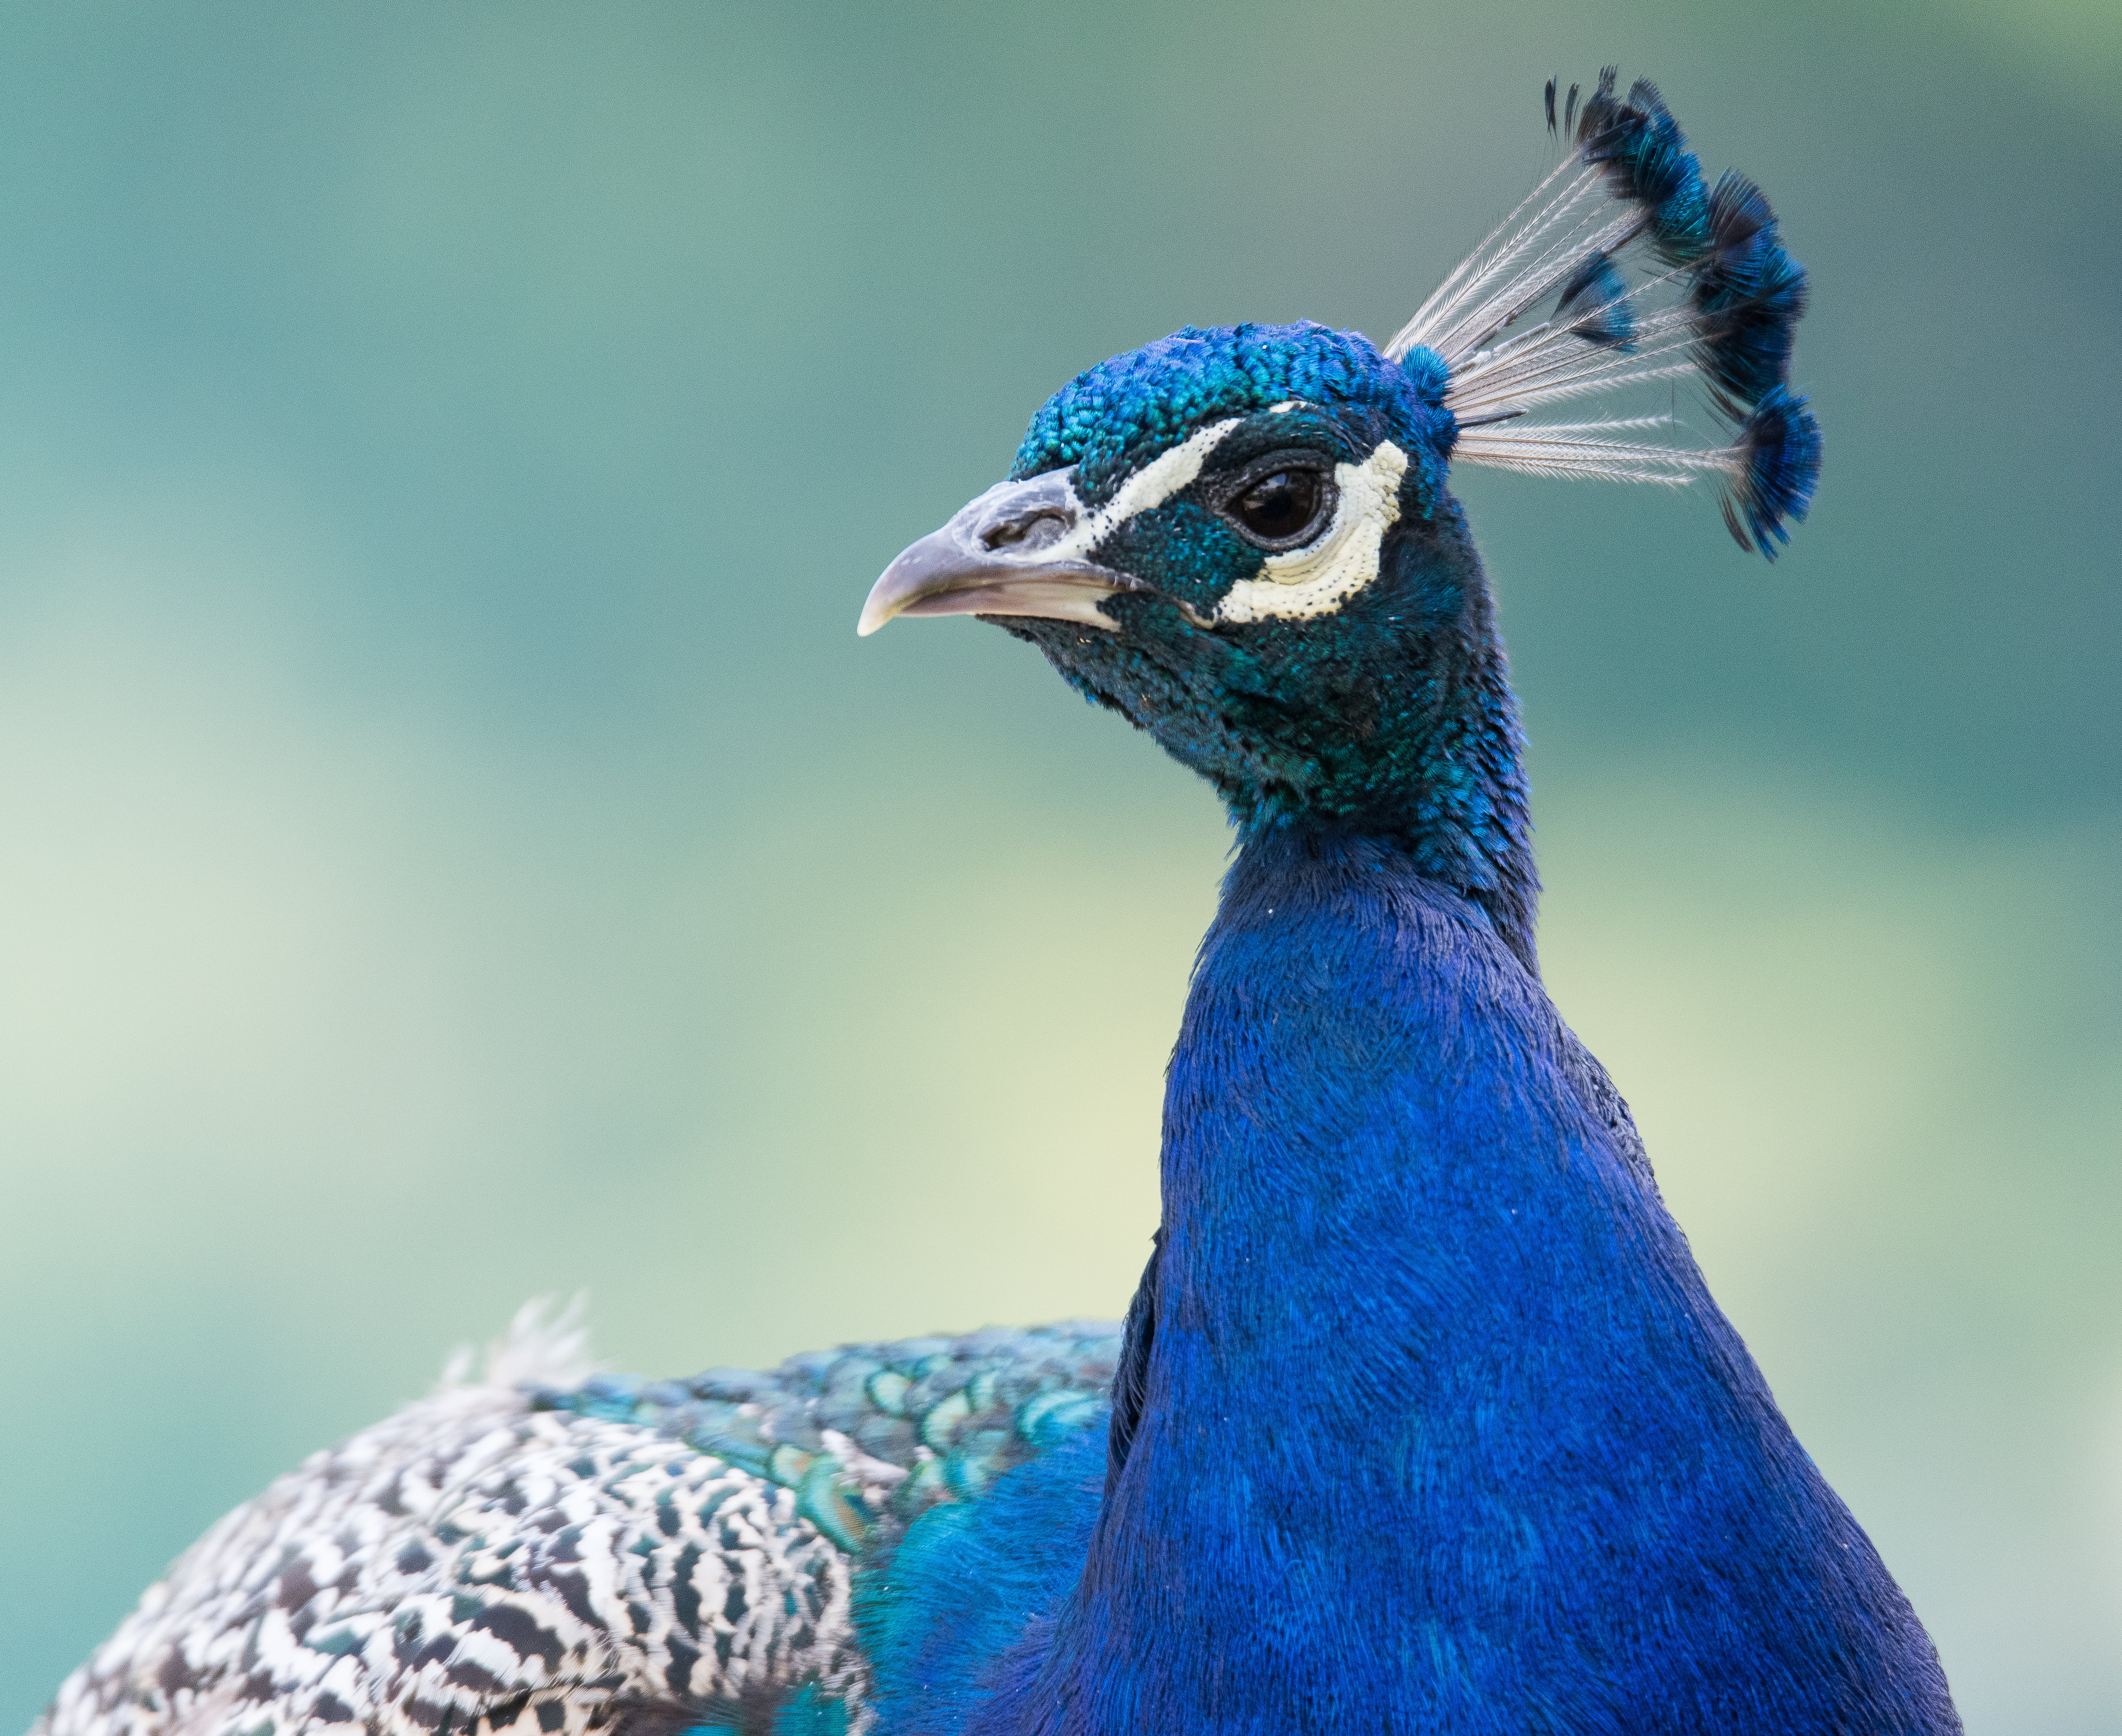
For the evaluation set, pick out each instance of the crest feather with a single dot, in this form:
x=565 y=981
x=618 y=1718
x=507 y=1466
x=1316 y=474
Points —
x=1713 y=297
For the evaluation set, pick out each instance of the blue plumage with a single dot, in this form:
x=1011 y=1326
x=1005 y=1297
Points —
x=1111 y=419
x=1639 y=144
x=1748 y=293
x=1594 y=304
x=1440 y=1430
x=1781 y=444
x=1421 y=1418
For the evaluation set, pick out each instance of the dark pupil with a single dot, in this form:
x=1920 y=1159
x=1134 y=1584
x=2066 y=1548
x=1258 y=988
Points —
x=1278 y=506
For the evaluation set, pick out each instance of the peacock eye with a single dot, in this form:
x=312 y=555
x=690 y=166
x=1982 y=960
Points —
x=1284 y=509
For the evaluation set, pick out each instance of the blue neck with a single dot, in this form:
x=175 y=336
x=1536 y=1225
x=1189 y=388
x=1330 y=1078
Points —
x=1434 y=1427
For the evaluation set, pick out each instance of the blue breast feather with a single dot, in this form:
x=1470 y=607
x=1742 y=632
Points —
x=1439 y=1428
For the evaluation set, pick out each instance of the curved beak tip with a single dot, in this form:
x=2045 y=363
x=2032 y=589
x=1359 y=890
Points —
x=899 y=586
x=888 y=597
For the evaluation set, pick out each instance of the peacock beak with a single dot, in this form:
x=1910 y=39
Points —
x=1016 y=550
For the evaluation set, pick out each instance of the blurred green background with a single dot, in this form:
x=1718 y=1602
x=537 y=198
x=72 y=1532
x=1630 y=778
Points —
x=455 y=847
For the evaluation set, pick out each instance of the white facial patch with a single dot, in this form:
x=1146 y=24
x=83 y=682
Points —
x=1163 y=476
x=1148 y=488
x=1318 y=580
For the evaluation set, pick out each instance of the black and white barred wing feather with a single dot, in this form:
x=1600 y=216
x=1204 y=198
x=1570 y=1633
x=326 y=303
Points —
x=540 y=1553
x=474 y=1560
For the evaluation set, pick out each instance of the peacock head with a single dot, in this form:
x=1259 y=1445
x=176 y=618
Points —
x=1241 y=539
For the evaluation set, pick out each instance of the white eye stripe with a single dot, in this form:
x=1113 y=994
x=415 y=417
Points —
x=1318 y=580
x=1148 y=488
x=1167 y=474
x=1157 y=482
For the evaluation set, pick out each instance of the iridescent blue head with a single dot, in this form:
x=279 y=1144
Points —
x=1241 y=539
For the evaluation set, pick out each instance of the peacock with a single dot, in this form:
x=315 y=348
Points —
x=1422 y=1418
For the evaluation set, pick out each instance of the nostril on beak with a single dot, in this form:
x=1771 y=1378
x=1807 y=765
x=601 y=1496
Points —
x=1029 y=530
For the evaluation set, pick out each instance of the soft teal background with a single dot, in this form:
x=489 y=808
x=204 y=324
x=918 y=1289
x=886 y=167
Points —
x=455 y=847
